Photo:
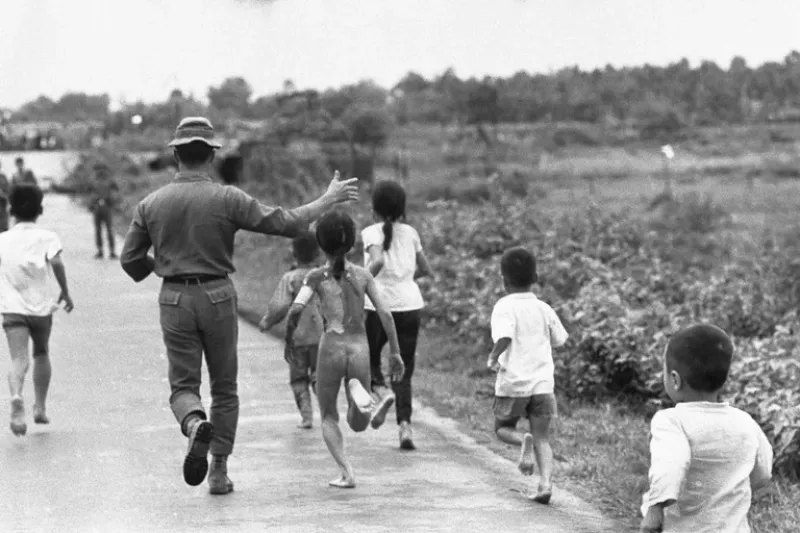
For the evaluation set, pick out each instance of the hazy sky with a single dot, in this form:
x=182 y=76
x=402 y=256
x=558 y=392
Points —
x=149 y=47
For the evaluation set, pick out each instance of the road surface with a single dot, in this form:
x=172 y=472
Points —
x=111 y=459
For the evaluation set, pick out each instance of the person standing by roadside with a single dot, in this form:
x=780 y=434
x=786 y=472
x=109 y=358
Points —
x=4 y=190
x=22 y=175
x=394 y=256
x=191 y=224
x=103 y=200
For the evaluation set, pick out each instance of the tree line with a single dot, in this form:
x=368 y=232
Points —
x=702 y=95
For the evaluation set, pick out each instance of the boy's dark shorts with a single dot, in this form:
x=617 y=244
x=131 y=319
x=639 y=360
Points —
x=306 y=359
x=39 y=328
x=508 y=411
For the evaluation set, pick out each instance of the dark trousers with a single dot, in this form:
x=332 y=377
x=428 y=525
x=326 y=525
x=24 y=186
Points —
x=102 y=216
x=198 y=319
x=407 y=325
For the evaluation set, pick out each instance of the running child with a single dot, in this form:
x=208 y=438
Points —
x=303 y=357
x=707 y=457
x=525 y=330
x=28 y=254
x=394 y=256
x=343 y=350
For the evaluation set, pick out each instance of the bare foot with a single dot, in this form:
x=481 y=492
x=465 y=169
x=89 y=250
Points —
x=527 y=459
x=542 y=495
x=306 y=424
x=362 y=399
x=343 y=482
x=18 y=425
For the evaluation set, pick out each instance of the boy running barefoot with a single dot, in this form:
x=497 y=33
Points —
x=303 y=357
x=27 y=255
x=524 y=330
x=707 y=457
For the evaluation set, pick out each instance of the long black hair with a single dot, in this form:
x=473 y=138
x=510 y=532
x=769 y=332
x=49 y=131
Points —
x=336 y=235
x=389 y=202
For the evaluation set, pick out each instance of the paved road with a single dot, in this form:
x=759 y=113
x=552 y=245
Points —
x=111 y=459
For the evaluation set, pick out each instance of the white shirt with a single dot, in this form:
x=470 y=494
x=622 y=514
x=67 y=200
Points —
x=25 y=272
x=395 y=281
x=704 y=455
x=526 y=367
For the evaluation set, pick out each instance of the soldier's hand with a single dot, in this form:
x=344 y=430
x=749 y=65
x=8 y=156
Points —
x=340 y=192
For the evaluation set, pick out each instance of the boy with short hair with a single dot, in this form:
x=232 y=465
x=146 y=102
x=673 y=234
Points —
x=707 y=457
x=27 y=255
x=525 y=330
x=302 y=357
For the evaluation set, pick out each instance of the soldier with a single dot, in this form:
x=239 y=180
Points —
x=191 y=224
x=103 y=201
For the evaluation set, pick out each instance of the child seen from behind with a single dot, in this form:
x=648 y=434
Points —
x=28 y=255
x=302 y=358
x=394 y=256
x=343 y=351
x=707 y=457
x=524 y=330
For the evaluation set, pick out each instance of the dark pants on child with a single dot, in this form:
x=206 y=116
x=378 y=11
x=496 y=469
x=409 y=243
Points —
x=197 y=319
x=407 y=325
x=102 y=216
x=302 y=376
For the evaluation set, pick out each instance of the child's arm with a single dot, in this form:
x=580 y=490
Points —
x=423 y=266
x=61 y=276
x=558 y=335
x=500 y=346
x=762 y=471
x=296 y=310
x=503 y=324
x=375 y=260
x=396 y=366
x=670 y=456
x=278 y=306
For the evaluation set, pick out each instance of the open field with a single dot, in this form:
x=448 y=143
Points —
x=619 y=262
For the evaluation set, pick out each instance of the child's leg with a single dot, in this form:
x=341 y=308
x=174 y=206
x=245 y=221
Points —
x=17 y=334
x=330 y=372
x=42 y=371
x=407 y=324
x=298 y=380
x=376 y=339
x=543 y=410
x=507 y=412
x=358 y=369
x=312 y=367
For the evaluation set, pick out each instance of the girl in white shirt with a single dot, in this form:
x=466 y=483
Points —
x=393 y=255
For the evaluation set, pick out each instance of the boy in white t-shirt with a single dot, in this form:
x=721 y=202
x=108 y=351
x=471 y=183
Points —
x=707 y=457
x=27 y=254
x=524 y=330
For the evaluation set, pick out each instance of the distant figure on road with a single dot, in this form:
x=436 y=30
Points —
x=707 y=457
x=303 y=357
x=103 y=200
x=4 y=190
x=191 y=224
x=27 y=255
x=343 y=349
x=22 y=175
x=525 y=330
x=393 y=255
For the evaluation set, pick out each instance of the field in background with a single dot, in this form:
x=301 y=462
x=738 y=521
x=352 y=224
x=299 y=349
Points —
x=562 y=179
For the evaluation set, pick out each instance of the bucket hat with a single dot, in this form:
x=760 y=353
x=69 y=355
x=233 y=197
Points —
x=193 y=129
